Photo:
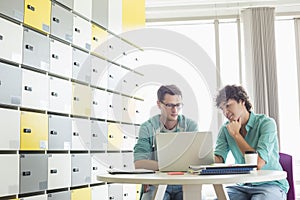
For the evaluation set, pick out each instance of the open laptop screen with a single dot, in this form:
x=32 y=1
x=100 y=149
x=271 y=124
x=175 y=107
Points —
x=176 y=151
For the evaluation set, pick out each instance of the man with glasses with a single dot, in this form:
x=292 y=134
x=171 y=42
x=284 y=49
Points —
x=169 y=101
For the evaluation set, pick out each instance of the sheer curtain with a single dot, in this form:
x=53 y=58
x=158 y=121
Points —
x=260 y=60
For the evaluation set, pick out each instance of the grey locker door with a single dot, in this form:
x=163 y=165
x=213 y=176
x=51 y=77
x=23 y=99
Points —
x=62 y=23
x=33 y=172
x=81 y=66
x=100 y=12
x=36 y=50
x=10 y=84
x=13 y=9
x=60 y=133
x=66 y=195
x=99 y=135
x=81 y=169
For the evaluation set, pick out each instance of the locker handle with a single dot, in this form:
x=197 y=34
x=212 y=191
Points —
x=124 y=109
x=111 y=136
x=27 y=88
x=136 y=59
x=111 y=76
x=53 y=132
x=76 y=64
x=27 y=130
x=29 y=47
x=124 y=81
x=111 y=197
x=76 y=98
x=125 y=137
x=75 y=134
x=95 y=102
x=54 y=94
x=124 y=165
x=137 y=111
x=111 y=47
x=77 y=30
x=95 y=135
x=1 y=37
x=95 y=168
x=111 y=106
x=124 y=53
x=55 y=56
x=94 y=70
x=53 y=171
x=75 y=169
x=55 y=19
x=26 y=173
x=95 y=39
x=30 y=7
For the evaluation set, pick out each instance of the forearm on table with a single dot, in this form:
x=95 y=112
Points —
x=146 y=164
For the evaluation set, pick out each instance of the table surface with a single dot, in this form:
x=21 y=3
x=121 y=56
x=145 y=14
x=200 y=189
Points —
x=160 y=178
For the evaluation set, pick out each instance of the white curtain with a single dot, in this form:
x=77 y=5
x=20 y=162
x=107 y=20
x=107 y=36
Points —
x=260 y=60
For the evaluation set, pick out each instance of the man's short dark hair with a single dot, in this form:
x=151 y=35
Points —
x=167 y=89
x=233 y=92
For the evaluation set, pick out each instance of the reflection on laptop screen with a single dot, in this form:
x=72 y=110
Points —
x=176 y=151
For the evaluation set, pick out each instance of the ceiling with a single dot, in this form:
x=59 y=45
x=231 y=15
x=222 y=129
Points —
x=180 y=10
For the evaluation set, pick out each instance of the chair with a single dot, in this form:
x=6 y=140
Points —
x=286 y=162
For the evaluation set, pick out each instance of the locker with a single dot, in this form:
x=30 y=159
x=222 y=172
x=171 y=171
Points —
x=81 y=169
x=60 y=133
x=82 y=31
x=99 y=104
x=9 y=171
x=61 y=23
x=99 y=72
x=115 y=77
x=37 y=14
x=34 y=131
x=114 y=137
x=133 y=58
x=67 y=3
x=127 y=160
x=10 y=129
x=129 y=191
x=115 y=191
x=84 y=8
x=81 y=100
x=33 y=172
x=114 y=111
x=35 y=87
x=133 y=14
x=36 y=48
x=100 y=12
x=10 y=84
x=60 y=95
x=59 y=171
x=11 y=37
x=99 y=37
x=35 y=197
x=13 y=9
x=123 y=48
x=60 y=59
x=100 y=191
x=115 y=52
x=99 y=135
x=81 y=66
x=81 y=134
x=100 y=165
x=115 y=161
x=65 y=195
x=115 y=16
x=141 y=115
x=128 y=109
x=128 y=141
x=80 y=194
x=131 y=83
x=137 y=132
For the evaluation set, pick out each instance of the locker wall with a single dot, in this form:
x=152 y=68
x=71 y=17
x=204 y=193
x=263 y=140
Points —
x=62 y=112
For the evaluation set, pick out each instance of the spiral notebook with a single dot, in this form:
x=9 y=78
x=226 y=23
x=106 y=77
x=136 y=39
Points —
x=219 y=169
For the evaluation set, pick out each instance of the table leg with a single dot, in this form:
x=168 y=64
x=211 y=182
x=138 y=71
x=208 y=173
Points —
x=159 y=192
x=221 y=192
x=192 y=192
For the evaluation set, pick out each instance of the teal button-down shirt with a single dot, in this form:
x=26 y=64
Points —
x=262 y=136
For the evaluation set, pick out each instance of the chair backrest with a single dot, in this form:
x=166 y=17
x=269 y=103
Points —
x=286 y=162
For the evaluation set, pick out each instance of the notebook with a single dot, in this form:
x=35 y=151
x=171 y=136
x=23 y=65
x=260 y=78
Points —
x=219 y=169
x=177 y=151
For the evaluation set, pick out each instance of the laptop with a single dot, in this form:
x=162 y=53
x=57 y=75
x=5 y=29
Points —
x=177 y=151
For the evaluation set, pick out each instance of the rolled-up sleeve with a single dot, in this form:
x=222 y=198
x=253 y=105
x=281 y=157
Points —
x=143 y=147
x=222 y=146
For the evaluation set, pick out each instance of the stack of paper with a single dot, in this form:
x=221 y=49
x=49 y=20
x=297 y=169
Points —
x=218 y=169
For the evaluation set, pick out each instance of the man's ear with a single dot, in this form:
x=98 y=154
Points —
x=158 y=104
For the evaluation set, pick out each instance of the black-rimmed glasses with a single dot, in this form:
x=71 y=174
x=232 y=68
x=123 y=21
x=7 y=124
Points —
x=171 y=105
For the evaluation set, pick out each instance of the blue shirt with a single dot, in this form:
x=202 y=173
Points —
x=261 y=136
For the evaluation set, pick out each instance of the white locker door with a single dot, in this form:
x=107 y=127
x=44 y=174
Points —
x=114 y=107
x=99 y=72
x=100 y=165
x=99 y=104
x=115 y=160
x=60 y=95
x=59 y=171
x=128 y=141
x=36 y=197
x=115 y=191
x=81 y=134
x=9 y=172
x=127 y=160
x=129 y=191
x=115 y=16
x=82 y=32
x=84 y=8
x=60 y=59
x=128 y=109
x=10 y=129
x=115 y=52
x=35 y=87
x=100 y=191
x=115 y=75
x=11 y=37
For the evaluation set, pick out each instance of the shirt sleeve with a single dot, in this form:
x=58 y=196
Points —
x=222 y=146
x=143 y=147
x=192 y=126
